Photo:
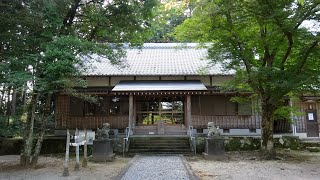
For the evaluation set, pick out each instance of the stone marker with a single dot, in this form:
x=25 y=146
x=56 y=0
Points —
x=85 y=151
x=76 y=141
x=66 y=162
x=102 y=147
x=160 y=127
x=214 y=147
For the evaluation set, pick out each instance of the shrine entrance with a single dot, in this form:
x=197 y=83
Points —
x=151 y=109
x=159 y=107
x=160 y=115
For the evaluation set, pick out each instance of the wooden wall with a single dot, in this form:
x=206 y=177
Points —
x=200 y=120
x=224 y=113
x=227 y=122
x=64 y=119
x=301 y=120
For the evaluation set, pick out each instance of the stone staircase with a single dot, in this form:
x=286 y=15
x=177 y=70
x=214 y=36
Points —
x=311 y=144
x=160 y=145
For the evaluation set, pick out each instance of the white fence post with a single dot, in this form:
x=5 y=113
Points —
x=85 y=159
x=76 y=140
x=66 y=169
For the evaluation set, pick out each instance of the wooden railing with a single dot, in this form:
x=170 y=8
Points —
x=125 y=144
x=93 y=122
x=227 y=122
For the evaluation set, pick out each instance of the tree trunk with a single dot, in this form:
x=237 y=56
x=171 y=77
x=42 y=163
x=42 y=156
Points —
x=13 y=102
x=27 y=148
x=24 y=94
x=45 y=117
x=267 y=145
x=2 y=103
x=8 y=111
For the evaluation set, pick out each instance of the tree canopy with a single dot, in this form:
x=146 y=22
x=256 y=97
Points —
x=42 y=45
x=168 y=15
x=267 y=42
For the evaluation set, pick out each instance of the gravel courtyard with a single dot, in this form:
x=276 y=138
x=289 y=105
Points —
x=51 y=168
x=291 y=165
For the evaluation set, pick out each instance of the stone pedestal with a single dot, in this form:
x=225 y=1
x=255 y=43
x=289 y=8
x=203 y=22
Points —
x=214 y=149
x=160 y=127
x=102 y=151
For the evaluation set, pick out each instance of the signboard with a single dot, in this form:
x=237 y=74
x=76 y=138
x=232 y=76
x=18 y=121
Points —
x=310 y=117
x=90 y=137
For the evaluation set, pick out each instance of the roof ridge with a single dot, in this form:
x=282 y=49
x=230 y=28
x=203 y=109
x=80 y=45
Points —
x=172 y=45
x=164 y=46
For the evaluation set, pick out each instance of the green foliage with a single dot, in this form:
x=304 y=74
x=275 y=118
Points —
x=14 y=128
x=268 y=45
x=285 y=112
x=46 y=45
x=263 y=41
x=168 y=14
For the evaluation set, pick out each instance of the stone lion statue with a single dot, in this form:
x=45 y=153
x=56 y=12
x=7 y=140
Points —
x=103 y=134
x=213 y=130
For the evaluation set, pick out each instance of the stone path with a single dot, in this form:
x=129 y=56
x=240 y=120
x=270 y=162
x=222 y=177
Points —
x=157 y=167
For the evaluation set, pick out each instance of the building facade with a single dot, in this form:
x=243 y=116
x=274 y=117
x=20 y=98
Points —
x=163 y=89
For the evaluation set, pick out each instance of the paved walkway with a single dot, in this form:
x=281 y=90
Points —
x=156 y=167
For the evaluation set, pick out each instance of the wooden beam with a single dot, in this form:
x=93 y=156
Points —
x=131 y=111
x=188 y=112
x=134 y=111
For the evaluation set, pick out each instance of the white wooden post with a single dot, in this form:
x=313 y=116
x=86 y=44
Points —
x=188 y=113
x=66 y=169
x=85 y=159
x=76 y=140
x=131 y=113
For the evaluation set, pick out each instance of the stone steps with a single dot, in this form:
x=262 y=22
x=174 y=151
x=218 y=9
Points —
x=313 y=149
x=311 y=144
x=157 y=147
x=160 y=145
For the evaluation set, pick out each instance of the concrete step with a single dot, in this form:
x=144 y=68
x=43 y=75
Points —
x=159 y=147
x=160 y=144
x=167 y=133
x=313 y=139
x=160 y=150
x=311 y=143
x=158 y=137
x=313 y=149
x=163 y=153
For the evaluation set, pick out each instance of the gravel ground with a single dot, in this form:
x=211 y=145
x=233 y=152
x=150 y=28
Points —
x=157 y=168
x=292 y=165
x=51 y=168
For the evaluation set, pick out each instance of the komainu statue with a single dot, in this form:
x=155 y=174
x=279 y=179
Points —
x=213 y=130
x=103 y=134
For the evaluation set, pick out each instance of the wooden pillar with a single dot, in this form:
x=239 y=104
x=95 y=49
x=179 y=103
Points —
x=76 y=140
x=85 y=152
x=188 y=111
x=134 y=112
x=131 y=111
x=66 y=162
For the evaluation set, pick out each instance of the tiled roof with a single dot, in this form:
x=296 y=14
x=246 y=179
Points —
x=160 y=59
x=125 y=86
